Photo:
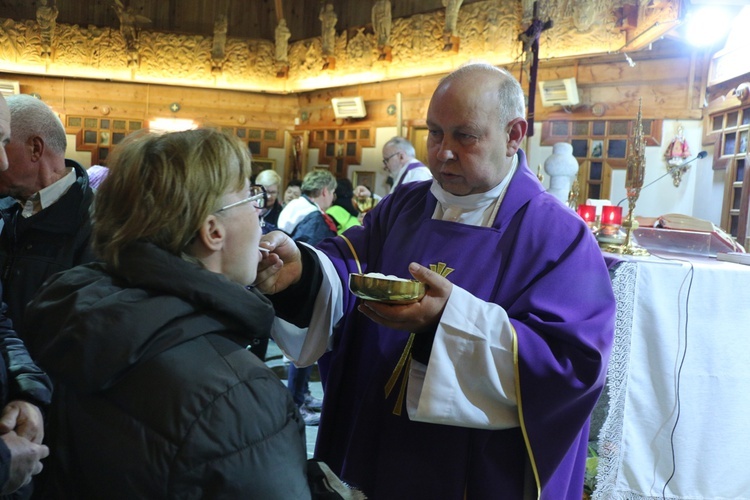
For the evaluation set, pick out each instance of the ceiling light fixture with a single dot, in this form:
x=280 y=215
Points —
x=707 y=26
x=162 y=125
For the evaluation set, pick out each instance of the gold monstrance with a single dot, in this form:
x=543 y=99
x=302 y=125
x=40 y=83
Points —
x=636 y=172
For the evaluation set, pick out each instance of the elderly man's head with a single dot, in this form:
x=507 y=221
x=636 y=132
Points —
x=476 y=124
x=397 y=153
x=36 y=151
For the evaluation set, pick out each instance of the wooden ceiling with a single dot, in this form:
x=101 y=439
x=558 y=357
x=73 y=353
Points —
x=246 y=18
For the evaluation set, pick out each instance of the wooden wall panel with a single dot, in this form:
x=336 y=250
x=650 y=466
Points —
x=670 y=87
x=669 y=84
x=662 y=83
x=131 y=100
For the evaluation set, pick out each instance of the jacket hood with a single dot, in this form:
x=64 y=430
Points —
x=90 y=325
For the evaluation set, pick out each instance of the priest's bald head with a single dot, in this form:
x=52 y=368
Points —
x=476 y=124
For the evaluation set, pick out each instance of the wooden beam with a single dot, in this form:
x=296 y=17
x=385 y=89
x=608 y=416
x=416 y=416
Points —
x=279 y=11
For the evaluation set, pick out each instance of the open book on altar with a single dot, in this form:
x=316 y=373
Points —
x=685 y=223
x=679 y=233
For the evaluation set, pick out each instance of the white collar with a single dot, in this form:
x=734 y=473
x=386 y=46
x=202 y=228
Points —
x=47 y=196
x=473 y=209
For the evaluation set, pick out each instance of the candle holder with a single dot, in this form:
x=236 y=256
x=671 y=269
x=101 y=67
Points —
x=636 y=170
x=622 y=242
x=612 y=215
x=588 y=214
x=610 y=232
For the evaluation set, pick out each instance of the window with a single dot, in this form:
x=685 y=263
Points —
x=99 y=135
x=258 y=140
x=728 y=130
x=599 y=146
x=339 y=148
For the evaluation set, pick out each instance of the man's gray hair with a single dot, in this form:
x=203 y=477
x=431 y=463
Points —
x=30 y=117
x=315 y=181
x=509 y=92
x=401 y=144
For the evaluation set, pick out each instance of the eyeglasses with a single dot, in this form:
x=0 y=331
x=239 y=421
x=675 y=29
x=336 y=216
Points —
x=257 y=195
x=386 y=160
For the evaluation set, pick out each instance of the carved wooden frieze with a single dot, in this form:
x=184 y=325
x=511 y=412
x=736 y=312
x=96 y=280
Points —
x=487 y=30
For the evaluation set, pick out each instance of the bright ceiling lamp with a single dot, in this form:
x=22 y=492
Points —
x=162 y=125
x=708 y=25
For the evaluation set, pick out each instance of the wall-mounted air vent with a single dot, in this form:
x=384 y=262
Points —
x=559 y=92
x=8 y=87
x=348 y=107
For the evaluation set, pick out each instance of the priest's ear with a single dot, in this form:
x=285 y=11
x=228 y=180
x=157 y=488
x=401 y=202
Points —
x=516 y=132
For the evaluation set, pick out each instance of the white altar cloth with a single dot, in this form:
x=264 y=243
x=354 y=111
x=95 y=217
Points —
x=677 y=336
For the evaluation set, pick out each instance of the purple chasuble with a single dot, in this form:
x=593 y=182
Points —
x=541 y=263
x=409 y=168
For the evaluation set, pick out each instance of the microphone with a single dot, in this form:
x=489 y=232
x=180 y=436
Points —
x=699 y=156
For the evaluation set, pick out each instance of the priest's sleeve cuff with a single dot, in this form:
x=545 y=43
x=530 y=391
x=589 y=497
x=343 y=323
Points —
x=422 y=346
x=296 y=303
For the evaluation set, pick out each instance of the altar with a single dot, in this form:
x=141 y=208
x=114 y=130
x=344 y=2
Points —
x=678 y=421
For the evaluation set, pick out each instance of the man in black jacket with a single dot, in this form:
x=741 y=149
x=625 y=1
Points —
x=45 y=209
x=23 y=388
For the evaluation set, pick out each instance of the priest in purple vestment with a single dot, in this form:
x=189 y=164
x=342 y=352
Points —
x=483 y=388
x=399 y=160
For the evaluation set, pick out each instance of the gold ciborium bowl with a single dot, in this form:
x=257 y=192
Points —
x=388 y=289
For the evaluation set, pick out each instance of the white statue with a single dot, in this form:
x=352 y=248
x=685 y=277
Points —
x=282 y=35
x=562 y=168
x=220 y=37
x=381 y=22
x=130 y=22
x=328 y=19
x=451 y=16
x=46 y=16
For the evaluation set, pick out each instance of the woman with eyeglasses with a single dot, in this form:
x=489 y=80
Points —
x=156 y=393
x=271 y=181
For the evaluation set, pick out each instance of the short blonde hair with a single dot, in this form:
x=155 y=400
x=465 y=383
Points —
x=268 y=178
x=161 y=188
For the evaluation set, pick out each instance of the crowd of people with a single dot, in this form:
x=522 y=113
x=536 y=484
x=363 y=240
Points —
x=132 y=313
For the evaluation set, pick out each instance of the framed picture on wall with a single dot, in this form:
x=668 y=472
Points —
x=363 y=178
x=597 y=149
x=261 y=164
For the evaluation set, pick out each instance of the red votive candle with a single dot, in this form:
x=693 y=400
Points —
x=611 y=215
x=587 y=213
